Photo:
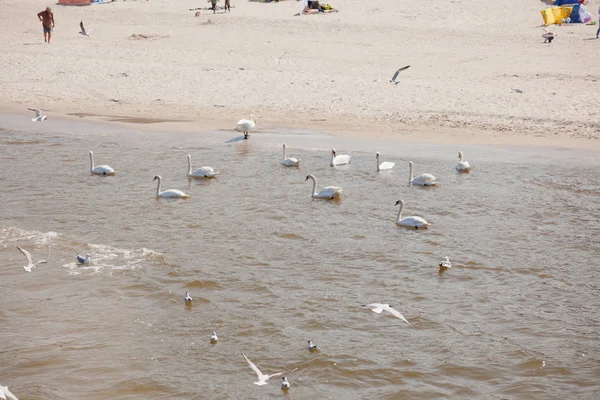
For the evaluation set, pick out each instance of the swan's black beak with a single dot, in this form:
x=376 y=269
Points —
x=306 y=179
x=155 y=178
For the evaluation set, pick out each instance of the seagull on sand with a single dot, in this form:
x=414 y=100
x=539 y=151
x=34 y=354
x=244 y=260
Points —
x=30 y=265
x=83 y=32
x=83 y=260
x=38 y=115
x=277 y=60
x=394 y=81
x=188 y=298
x=379 y=308
x=262 y=379
x=5 y=392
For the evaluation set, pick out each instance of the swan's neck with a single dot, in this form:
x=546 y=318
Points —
x=91 y=162
x=460 y=156
x=410 y=177
x=314 y=189
x=332 y=157
x=158 y=187
x=399 y=217
x=189 y=165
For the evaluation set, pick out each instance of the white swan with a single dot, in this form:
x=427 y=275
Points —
x=341 y=159
x=410 y=222
x=172 y=193
x=246 y=125
x=328 y=192
x=290 y=162
x=100 y=169
x=202 y=172
x=423 y=179
x=384 y=165
x=461 y=165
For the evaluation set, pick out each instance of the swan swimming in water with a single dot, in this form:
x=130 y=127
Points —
x=341 y=159
x=311 y=346
x=171 y=193
x=262 y=379
x=83 y=260
x=188 y=298
x=100 y=169
x=30 y=264
x=290 y=162
x=379 y=308
x=245 y=126
x=202 y=172
x=461 y=165
x=328 y=192
x=285 y=384
x=214 y=338
x=422 y=180
x=384 y=165
x=409 y=222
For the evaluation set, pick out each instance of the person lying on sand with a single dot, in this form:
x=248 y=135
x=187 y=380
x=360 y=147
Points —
x=314 y=8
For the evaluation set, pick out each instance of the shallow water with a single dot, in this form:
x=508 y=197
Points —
x=516 y=316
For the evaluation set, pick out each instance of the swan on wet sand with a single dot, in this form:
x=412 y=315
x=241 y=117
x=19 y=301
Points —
x=290 y=162
x=409 y=222
x=83 y=260
x=171 y=193
x=100 y=169
x=30 y=264
x=328 y=192
x=384 y=165
x=462 y=165
x=422 y=180
x=339 y=159
x=202 y=172
x=262 y=379
x=246 y=125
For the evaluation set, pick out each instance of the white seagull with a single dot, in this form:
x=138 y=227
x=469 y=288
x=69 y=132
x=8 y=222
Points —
x=393 y=80
x=83 y=260
x=341 y=159
x=214 y=338
x=30 y=265
x=5 y=392
x=384 y=165
x=188 y=298
x=278 y=60
x=311 y=346
x=462 y=165
x=245 y=126
x=378 y=308
x=83 y=32
x=446 y=263
x=285 y=384
x=38 y=115
x=262 y=379
x=291 y=161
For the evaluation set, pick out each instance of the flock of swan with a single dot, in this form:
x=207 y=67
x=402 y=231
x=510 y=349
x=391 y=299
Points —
x=326 y=193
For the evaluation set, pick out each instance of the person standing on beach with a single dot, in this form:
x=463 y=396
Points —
x=228 y=5
x=47 y=19
x=214 y=5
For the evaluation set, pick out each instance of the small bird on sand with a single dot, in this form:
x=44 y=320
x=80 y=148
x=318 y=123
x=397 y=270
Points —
x=393 y=80
x=83 y=32
x=38 y=115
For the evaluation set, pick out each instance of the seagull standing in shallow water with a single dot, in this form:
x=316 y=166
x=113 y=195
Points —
x=83 y=260
x=5 y=392
x=30 y=265
x=262 y=379
x=378 y=308
x=393 y=80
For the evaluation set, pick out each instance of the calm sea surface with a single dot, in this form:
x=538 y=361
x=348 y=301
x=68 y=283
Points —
x=517 y=317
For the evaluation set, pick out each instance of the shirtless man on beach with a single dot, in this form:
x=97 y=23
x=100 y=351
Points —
x=47 y=19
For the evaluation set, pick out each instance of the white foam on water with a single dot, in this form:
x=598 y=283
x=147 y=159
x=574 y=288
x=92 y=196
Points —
x=108 y=258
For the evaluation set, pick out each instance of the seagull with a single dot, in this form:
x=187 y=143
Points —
x=262 y=379
x=516 y=90
x=214 y=338
x=83 y=260
x=83 y=32
x=5 y=392
x=311 y=346
x=444 y=265
x=188 y=298
x=277 y=60
x=38 y=115
x=30 y=265
x=394 y=81
x=285 y=384
x=378 y=308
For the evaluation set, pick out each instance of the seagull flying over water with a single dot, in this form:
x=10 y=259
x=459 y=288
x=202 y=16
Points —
x=379 y=308
x=30 y=265
x=188 y=298
x=38 y=115
x=262 y=379
x=394 y=81
x=83 y=32
x=83 y=260
x=5 y=392
x=277 y=60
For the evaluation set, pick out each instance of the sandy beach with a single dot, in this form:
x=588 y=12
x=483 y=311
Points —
x=154 y=61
